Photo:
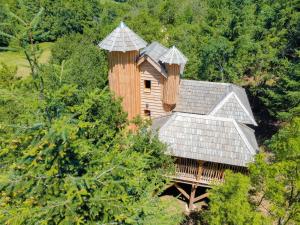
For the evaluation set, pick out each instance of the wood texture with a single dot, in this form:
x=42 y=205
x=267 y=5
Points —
x=200 y=197
x=152 y=98
x=171 y=84
x=200 y=168
x=203 y=172
x=124 y=80
x=192 y=197
x=182 y=191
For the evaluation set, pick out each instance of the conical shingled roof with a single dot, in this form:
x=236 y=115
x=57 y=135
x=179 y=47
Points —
x=122 y=39
x=173 y=56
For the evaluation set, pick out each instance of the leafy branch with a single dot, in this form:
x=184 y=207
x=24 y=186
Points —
x=24 y=41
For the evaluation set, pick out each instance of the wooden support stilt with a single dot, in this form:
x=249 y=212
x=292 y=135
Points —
x=200 y=197
x=192 y=196
x=167 y=186
x=182 y=191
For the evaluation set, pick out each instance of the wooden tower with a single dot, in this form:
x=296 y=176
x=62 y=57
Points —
x=173 y=59
x=171 y=84
x=124 y=77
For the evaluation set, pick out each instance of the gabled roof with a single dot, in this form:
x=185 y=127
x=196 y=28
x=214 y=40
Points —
x=208 y=138
x=155 y=50
x=122 y=39
x=219 y=99
x=232 y=107
x=173 y=56
x=152 y=53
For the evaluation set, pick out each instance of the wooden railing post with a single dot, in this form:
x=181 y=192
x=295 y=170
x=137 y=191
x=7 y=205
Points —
x=200 y=168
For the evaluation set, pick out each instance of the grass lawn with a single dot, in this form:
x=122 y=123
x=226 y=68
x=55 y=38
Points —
x=18 y=58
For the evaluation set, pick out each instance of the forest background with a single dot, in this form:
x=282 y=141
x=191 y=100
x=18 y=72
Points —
x=66 y=155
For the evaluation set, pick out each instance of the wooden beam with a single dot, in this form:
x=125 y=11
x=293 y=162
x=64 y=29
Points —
x=140 y=61
x=200 y=168
x=193 y=192
x=182 y=191
x=201 y=197
x=168 y=186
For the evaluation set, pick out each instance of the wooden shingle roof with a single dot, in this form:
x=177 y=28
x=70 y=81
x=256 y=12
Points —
x=213 y=98
x=122 y=39
x=173 y=56
x=155 y=50
x=209 y=138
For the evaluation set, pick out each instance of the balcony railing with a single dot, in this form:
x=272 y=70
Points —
x=192 y=170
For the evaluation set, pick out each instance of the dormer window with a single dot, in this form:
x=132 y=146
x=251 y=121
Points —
x=147 y=85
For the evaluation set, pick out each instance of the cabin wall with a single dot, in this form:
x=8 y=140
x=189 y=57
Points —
x=152 y=98
x=124 y=80
x=171 y=85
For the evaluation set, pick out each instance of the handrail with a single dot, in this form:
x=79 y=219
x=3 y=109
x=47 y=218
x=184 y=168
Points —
x=203 y=172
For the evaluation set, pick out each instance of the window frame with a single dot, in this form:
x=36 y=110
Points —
x=149 y=84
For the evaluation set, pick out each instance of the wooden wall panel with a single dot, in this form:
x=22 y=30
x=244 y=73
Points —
x=124 y=80
x=153 y=98
x=171 y=85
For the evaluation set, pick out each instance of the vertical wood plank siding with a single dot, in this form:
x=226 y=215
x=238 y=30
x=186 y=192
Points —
x=171 y=85
x=124 y=80
x=203 y=172
x=153 y=98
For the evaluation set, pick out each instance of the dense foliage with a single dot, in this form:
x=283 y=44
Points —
x=77 y=165
x=271 y=193
x=255 y=43
x=230 y=203
x=66 y=156
x=73 y=161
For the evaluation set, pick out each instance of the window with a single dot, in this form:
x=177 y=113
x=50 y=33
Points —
x=147 y=85
x=147 y=113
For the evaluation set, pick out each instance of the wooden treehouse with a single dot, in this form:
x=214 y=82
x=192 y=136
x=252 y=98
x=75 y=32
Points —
x=204 y=124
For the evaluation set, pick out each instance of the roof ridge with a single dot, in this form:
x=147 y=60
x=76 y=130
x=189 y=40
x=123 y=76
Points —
x=131 y=39
x=154 y=47
x=205 y=81
x=225 y=99
x=220 y=103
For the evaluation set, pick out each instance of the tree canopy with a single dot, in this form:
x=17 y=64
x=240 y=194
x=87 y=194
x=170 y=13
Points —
x=66 y=154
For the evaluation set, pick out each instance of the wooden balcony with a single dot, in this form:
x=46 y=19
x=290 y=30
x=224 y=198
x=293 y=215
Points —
x=202 y=173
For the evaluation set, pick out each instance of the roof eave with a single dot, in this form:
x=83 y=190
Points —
x=153 y=63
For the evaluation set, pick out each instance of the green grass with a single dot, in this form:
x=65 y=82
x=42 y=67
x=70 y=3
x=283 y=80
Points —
x=18 y=59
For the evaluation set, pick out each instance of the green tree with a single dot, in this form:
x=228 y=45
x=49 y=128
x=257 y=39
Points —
x=80 y=166
x=23 y=40
x=229 y=202
x=276 y=177
x=77 y=60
